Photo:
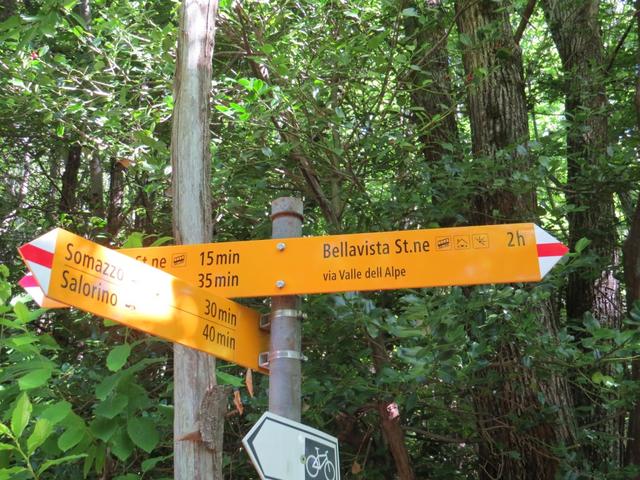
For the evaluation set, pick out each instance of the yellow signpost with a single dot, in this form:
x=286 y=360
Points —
x=86 y=275
x=367 y=261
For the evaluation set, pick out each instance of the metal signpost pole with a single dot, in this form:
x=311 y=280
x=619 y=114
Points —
x=286 y=331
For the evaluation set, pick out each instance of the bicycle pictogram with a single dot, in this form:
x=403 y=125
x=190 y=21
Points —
x=320 y=462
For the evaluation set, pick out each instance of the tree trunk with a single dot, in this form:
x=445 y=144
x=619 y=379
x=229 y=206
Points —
x=194 y=372
x=96 y=189
x=144 y=222
x=70 y=179
x=390 y=421
x=431 y=98
x=509 y=394
x=632 y=279
x=431 y=85
x=116 y=197
x=576 y=33
x=7 y=9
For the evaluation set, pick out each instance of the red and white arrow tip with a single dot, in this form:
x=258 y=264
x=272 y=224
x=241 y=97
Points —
x=550 y=250
x=38 y=257
x=30 y=285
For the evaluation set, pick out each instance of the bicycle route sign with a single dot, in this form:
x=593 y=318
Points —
x=282 y=449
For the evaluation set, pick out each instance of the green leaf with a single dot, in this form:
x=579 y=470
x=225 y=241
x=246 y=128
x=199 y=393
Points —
x=4 y=430
x=34 y=379
x=465 y=39
x=21 y=415
x=409 y=12
x=128 y=476
x=103 y=428
x=9 y=473
x=51 y=463
x=121 y=445
x=57 y=412
x=582 y=244
x=6 y=446
x=71 y=437
x=134 y=240
x=41 y=432
x=150 y=463
x=112 y=406
x=107 y=385
x=228 y=379
x=118 y=357
x=21 y=311
x=142 y=431
x=161 y=241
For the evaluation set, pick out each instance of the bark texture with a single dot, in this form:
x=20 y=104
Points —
x=95 y=195
x=434 y=109
x=517 y=432
x=194 y=372
x=576 y=33
x=431 y=85
x=390 y=422
x=575 y=30
x=7 y=9
x=70 y=179
x=632 y=279
x=116 y=197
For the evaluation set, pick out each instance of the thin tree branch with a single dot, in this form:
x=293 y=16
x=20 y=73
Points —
x=524 y=21
x=621 y=42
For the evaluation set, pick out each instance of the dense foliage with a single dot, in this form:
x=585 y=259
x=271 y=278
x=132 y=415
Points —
x=365 y=110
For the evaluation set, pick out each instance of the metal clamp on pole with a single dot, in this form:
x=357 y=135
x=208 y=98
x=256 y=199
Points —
x=267 y=318
x=265 y=358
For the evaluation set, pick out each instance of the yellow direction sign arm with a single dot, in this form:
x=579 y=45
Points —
x=367 y=261
x=80 y=273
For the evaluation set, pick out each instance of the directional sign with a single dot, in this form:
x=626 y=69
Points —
x=30 y=285
x=80 y=273
x=282 y=449
x=367 y=261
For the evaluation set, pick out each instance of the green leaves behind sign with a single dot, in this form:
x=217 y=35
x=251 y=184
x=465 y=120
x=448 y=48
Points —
x=150 y=463
x=9 y=473
x=41 y=432
x=409 y=12
x=51 y=463
x=103 y=428
x=118 y=357
x=228 y=379
x=71 y=437
x=142 y=431
x=121 y=445
x=112 y=406
x=34 y=379
x=582 y=244
x=57 y=412
x=21 y=415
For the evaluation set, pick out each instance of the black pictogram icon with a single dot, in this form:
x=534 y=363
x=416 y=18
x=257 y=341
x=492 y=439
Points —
x=179 y=260
x=443 y=243
x=461 y=242
x=480 y=241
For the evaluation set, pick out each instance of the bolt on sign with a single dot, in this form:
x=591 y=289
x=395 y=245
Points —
x=367 y=261
x=83 y=274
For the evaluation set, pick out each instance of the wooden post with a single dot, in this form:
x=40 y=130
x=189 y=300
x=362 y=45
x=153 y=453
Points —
x=194 y=372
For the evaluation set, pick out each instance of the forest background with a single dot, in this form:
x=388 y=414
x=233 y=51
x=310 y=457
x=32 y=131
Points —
x=381 y=115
